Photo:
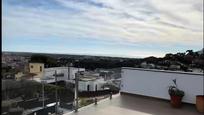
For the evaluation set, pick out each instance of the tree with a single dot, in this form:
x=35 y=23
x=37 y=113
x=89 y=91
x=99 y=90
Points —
x=51 y=62
x=190 y=52
x=38 y=58
x=168 y=56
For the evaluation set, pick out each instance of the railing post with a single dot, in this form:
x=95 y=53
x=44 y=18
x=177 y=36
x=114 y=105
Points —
x=95 y=101
x=43 y=94
x=76 y=92
x=68 y=73
x=56 y=96
x=110 y=95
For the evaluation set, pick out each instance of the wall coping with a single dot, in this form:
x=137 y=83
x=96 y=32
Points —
x=164 y=71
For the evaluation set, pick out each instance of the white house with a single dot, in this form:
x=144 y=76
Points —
x=47 y=74
x=146 y=65
x=91 y=84
x=63 y=73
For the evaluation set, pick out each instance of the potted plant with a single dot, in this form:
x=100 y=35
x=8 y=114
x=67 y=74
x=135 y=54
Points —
x=176 y=95
x=200 y=103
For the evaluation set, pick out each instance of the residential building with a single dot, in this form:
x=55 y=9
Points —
x=63 y=74
x=91 y=84
x=19 y=75
x=48 y=74
x=174 y=67
x=36 y=68
x=147 y=65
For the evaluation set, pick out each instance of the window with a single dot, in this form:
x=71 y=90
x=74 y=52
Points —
x=40 y=68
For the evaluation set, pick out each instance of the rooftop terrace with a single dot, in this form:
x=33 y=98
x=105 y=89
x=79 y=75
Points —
x=125 y=104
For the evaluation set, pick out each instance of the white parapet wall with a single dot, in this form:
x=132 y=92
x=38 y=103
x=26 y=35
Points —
x=155 y=83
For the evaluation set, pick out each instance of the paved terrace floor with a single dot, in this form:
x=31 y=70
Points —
x=124 y=104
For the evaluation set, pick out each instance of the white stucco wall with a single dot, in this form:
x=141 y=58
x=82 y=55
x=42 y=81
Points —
x=49 y=72
x=155 y=83
x=82 y=86
x=74 y=70
x=92 y=85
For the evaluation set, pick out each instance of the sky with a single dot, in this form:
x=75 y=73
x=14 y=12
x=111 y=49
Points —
x=121 y=28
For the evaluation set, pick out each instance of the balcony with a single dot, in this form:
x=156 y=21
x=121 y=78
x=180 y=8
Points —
x=145 y=92
x=126 y=104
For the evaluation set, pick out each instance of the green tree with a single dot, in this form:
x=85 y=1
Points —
x=48 y=61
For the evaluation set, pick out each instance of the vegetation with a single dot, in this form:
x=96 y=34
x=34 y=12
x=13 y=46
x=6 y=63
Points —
x=27 y=89
x=8 y=71
x=85 y=102
x=48 y=61
x=174 y=91
x=188 y=58
x=184 y=59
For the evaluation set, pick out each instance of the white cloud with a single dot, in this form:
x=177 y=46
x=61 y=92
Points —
x=162 y=22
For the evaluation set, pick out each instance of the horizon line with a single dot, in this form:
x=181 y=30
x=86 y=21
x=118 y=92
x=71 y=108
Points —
x=77 y=54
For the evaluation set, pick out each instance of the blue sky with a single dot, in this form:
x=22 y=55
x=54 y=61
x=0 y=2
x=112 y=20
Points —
x=126 y=28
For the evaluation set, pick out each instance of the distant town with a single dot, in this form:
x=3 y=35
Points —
x=33 y=80
x=14 y=62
